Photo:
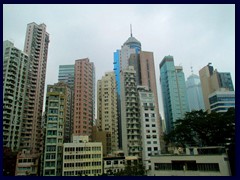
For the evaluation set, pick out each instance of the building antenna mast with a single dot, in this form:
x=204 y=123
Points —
x=131 y=29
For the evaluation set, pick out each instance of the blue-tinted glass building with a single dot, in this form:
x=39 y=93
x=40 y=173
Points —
x=174 y=94
x=194 y=93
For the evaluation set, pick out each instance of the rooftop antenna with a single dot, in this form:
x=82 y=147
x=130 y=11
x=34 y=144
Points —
x=191 y=69
x=131 y=29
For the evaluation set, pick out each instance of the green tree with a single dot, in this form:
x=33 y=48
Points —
x=199 y=128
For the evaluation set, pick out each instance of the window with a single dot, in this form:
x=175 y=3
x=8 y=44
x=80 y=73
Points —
x=162 y=166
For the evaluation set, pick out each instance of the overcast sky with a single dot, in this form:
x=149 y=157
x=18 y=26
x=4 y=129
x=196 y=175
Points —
x=193 y=34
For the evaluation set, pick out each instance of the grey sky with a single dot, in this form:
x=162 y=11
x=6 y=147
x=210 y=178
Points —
x=194 y=34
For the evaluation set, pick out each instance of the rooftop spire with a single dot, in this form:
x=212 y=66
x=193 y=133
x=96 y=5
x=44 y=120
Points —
x=131 y=29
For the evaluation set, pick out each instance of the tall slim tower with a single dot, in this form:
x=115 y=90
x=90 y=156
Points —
x=174 y=94
x=107 y=109
x=194 y=93
x=121 y=62
x=84 y=101
x=57 y=118
x=66 y=74
x=15 y=71
x=130 y=116
x=148 y=79
x=36 y=46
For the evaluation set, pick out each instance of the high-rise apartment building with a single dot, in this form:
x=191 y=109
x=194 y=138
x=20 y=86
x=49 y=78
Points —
x=15 y=72
x=148 y=79
x=174 y=93
x=130 y=121
x=194 y=93
x=57 y=130
x=84 y=101
x=66 y=74
x=149 y=125
x=107 y=109
x=212 y=81
x=121 y=62
x=36 y=46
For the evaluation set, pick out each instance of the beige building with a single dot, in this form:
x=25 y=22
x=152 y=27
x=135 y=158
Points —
x=107 y=110
x=212 y=81
x=82 y=158
x=204 y=161
x=84 y=89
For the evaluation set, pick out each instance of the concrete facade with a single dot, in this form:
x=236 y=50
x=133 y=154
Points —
x=130 y=118
x=15 y=73
x=81 y=157
x=57 y=110
x=84 y=97
x=149 y=126
x=194 y=163
x=107 y=118
x=212 y=81
x=36 y=46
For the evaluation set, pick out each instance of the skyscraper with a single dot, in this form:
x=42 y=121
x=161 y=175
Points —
x=212 y=81
x=194 y=93
x=57 y=127
x=36 y=46
x=121 y=62
x=174 y=95
x=149 y=125
x=66 y=74
x=15 y=72
x=148 y=79
x=84 y=101
x=130 y=118
x=107 y=109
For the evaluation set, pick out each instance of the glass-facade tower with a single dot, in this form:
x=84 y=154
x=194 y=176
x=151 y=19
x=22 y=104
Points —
x=174 y=94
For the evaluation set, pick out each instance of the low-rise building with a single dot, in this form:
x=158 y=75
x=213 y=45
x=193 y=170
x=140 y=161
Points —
x=26 y=164
x=204 y=161
x=82 y=158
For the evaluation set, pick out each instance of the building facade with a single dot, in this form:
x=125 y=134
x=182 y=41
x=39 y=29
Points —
x=204 y=161
x=194 y=93
x=82 y=158
x=84 y=101
x=66 y=74
x=149 y=126
x=107 y=119
x=212 y=81
x=36 y=47
x=174 y=94
x=121 y=62
x=56 y=129
x=130 y=118
x=222 y=100
x=15 y=73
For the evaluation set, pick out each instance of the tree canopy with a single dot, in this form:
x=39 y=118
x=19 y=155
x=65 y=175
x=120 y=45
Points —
x=198 y=128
